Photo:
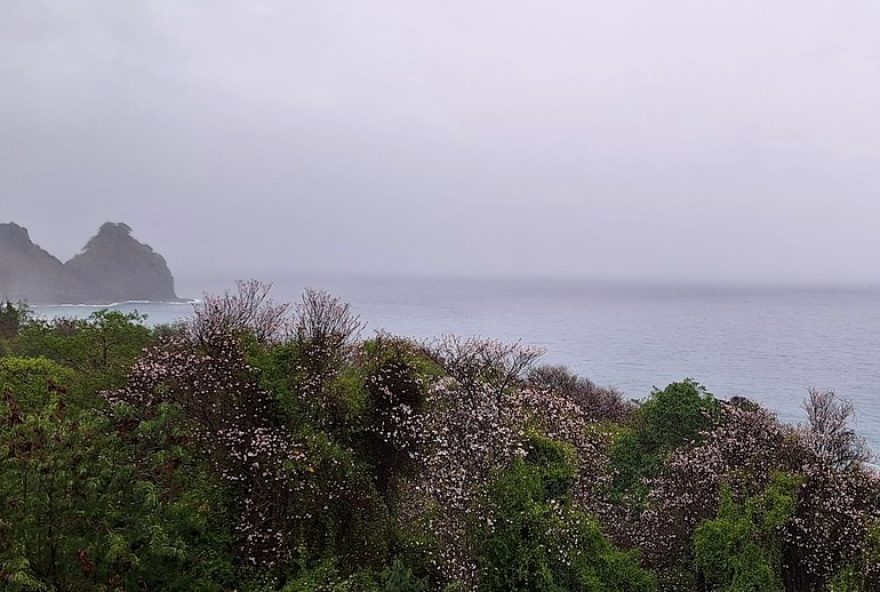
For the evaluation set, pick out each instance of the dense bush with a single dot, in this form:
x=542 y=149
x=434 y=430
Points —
x=740 y=550
x=79 y=511
x=537 y=538
x=12 y=317
x=265 y=447
x=669 y=419
x=597 y=403
x=99 y=349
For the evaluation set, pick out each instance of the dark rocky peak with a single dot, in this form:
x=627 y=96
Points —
x=112 y=234
x=13 y=236
x=115 y=267
x=29 y=273
x=114 y=242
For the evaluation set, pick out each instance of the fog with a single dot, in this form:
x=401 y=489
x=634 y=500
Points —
x=634 y=139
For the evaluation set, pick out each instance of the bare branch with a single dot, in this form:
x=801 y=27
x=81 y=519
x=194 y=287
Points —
x=248 y=310
x=474 y=361
x=325 y=322
x=828 y=432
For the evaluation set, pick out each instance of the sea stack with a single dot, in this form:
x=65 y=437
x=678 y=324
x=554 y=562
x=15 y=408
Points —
x=113 y=267
x=29 y=273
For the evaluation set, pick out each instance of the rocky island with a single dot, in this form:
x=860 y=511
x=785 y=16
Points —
x=112 y=267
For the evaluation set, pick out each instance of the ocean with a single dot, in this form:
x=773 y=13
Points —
x=770 y=344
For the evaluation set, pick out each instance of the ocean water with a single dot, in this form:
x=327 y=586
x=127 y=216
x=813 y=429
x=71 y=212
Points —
x=769 y=344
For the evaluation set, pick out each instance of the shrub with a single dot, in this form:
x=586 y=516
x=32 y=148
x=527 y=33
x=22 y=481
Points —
x=741 y=549
x=100 y=348
x=248 y=310
x=79 y=515
x=538 y=541
x=863 y=573
x=828 y=431
x=12 y=317
x=598 y=404
x=393 y=433
x=32 y=381
x=669 y=419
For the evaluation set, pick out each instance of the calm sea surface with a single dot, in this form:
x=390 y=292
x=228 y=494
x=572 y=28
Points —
x=768 y=344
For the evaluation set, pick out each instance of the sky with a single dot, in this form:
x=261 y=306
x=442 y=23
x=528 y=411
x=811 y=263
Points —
x=631 y=139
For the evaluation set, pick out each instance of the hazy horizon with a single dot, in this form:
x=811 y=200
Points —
x=625 y=141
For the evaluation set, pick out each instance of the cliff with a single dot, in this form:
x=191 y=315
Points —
x=113 y=267
x=27 y=272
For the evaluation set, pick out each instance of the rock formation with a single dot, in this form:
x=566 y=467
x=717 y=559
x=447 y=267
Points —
x=113 y=267
x=27 y=272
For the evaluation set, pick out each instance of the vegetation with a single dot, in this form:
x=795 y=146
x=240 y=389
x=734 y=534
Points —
x=674 y=417
x=266 y=447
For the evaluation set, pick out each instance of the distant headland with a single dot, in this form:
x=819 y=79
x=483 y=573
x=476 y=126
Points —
x=112 y=267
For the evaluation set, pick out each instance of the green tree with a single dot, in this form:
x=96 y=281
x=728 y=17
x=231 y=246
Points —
x=669 y=419
x=740 y=549
x=540 y=542
x=11 y=319
x=79 y=510
x=100 y=348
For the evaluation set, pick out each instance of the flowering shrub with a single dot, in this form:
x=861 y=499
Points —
x=78 y=511
x=249 y=310
x=596 y=403
x=834 y=506
x=236 y=427
x=836 y=509
x=740 y=549
x=828 y=433
x=479 y=420
x=264 y=448
x=322 y=339
x=669 y=419
x=394 y=438
x=743 y=450
x=538 y=540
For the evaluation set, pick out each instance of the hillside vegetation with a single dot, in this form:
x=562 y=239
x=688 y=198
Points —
x=266 y=447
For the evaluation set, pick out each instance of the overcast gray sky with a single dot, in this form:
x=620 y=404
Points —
x=698 y=140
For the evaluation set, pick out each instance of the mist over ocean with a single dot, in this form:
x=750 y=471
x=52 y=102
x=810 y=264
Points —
x=769 y=344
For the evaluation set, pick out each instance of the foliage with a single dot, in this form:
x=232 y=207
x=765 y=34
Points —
x=741 y=550
x=540 y=541
x=79 y=515
x=27 y=380
x=100 y=348
x=597 y=403
x=742 y=451
x=669 y=419
x=263 y=447
x=284 y=486
x=12 y=317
